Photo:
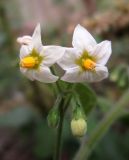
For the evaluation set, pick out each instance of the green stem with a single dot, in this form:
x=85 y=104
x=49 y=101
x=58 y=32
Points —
x=68 y=100
x=62 y=110
x=59 y=131
x=69 y=97
x=58 y=88
x=88 y=145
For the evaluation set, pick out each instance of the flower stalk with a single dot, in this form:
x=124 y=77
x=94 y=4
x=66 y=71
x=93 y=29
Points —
x=59 y=131
x=63 y=106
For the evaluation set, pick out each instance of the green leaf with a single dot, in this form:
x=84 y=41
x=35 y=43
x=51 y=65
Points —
x=87 y=97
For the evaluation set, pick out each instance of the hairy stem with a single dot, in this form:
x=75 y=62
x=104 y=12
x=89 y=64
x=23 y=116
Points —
x=88 y=145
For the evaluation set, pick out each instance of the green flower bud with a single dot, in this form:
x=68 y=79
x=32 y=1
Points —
x=78 y=127
x=53 y=118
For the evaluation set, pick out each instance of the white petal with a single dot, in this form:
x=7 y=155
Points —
x=101 y=73
x=69 y=58
x=25 y=40
x=43 y=74
x=36 y=38
x=82 y=39
x=29 y=73
x=74 y=75
x=24 y=51
x=52 y=54
x=102 y=52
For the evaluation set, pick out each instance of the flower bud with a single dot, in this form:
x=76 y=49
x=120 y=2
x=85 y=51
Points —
x=53 y=118
x=25 y=40
x=78 y=127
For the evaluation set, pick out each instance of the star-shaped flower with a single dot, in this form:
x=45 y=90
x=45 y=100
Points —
x=86 y=61
x=35 y=59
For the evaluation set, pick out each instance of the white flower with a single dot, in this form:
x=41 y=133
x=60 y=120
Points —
x=86 y=61
x=35 y=59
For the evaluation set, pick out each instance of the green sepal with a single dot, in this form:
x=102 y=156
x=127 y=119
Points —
x=78 y=113
x=53 y=118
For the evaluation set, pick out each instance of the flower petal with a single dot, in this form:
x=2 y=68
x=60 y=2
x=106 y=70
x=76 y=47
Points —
x=24 y=51
x=69 y=58
x=36 y=38
x=82 y=39
x=43 y=74
x=29 y=73
x=74 y=75
x=51 y=54
x=101 y=73
x=25 y=40
x=102 y=52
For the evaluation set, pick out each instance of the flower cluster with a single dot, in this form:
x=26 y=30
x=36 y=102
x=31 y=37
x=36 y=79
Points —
x=85 y=62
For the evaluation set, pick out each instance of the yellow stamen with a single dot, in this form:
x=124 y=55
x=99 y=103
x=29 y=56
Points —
x=88 y=64
x=29 y=62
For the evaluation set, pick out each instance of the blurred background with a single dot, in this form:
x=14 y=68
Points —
x=24 y=132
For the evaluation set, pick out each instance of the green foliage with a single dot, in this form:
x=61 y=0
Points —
x=87 y=97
